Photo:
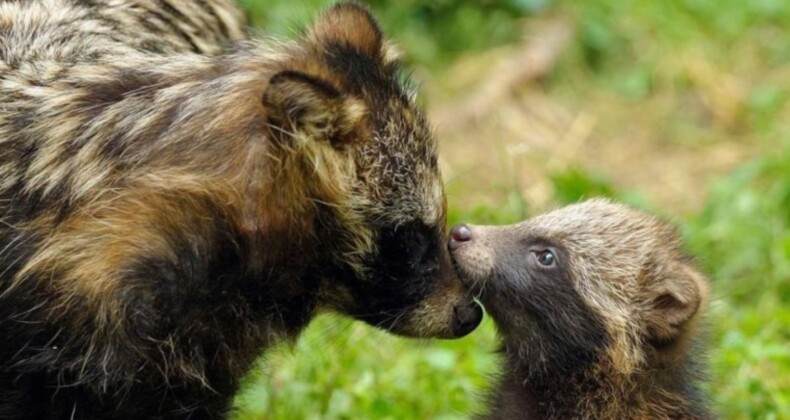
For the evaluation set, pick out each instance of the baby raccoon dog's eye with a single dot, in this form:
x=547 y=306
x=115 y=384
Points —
x=545 y=257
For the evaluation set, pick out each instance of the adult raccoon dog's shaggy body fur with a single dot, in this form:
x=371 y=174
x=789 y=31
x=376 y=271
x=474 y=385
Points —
x=598 y=309
x=174 y=199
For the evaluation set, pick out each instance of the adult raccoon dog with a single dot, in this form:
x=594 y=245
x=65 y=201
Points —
x=174 y=199
x=598 y=309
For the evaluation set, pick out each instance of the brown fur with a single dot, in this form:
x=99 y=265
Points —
x=610 y=331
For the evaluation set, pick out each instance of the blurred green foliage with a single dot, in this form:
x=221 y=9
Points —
x=341 y=369
x=575 y=184
x=743 y=239
x=431 y=31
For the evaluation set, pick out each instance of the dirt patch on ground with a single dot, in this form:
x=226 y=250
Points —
x=502 y=130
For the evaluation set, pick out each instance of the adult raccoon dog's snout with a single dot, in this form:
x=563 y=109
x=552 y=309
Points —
x=467 y=318
x=415 y=290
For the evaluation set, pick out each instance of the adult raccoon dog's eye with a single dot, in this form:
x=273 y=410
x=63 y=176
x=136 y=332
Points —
x=545 y=257
x=410 y=247
x=419 y=249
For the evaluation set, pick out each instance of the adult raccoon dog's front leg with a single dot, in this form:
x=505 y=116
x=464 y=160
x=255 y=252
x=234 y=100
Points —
x=164 y=219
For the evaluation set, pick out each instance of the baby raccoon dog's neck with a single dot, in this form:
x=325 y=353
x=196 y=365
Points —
x=535 y=388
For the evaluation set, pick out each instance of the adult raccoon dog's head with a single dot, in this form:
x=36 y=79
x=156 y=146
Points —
x=595 y=282
x=365 y=148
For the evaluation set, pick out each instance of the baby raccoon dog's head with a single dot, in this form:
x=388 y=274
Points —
x=594 y=283
x=372 y=162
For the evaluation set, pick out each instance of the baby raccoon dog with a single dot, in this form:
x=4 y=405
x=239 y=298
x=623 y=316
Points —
x=175 y=198
x=598 y=309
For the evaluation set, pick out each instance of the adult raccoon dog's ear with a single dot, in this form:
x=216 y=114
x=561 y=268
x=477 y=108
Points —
x=674 y=296
x=348 y=25
x=302 y=106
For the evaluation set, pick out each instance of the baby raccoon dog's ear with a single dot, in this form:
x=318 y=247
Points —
x=674 y=296
x=300 y=106
x=348 y=25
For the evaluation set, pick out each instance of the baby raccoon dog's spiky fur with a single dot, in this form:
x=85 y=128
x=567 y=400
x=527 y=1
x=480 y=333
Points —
x=599 y=311
x=174 y=199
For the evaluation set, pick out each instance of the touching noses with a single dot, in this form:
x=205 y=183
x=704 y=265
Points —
x=459 y=234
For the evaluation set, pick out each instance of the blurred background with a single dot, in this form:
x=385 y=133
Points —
x=680 y=108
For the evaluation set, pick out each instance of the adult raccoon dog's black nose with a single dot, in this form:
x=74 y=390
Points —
x=467 y=318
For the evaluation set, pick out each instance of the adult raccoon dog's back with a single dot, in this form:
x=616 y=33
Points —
x=168 y=209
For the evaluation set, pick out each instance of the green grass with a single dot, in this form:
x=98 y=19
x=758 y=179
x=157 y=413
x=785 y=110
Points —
x=743 y=239
x=640 y=50
x=341 y=369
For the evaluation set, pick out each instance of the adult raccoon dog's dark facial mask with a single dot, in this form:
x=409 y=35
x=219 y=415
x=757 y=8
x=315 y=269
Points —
x=347 y=108
x=414 y=289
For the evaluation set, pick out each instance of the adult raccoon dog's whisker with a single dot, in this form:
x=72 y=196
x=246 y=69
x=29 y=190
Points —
x=180 y=199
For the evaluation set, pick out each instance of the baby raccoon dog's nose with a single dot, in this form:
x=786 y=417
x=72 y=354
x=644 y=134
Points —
x=459 y=234
x=467 y=318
